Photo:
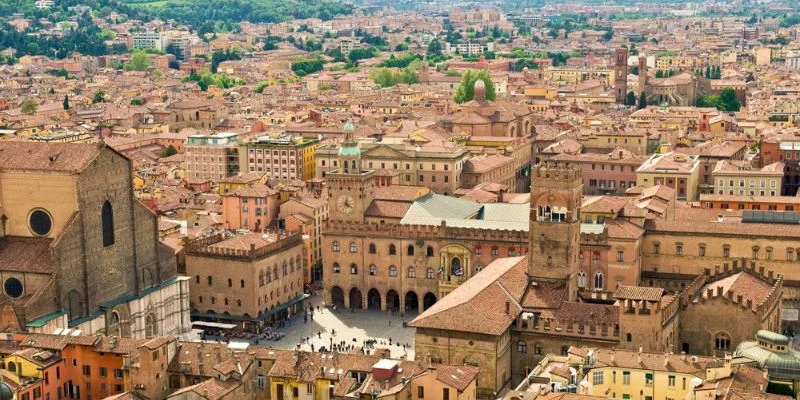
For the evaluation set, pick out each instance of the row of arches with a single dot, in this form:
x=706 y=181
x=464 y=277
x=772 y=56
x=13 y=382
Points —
x=375 y=301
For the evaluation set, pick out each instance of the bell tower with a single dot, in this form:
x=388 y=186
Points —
x=555 y=224
x=350 y=188
x=621 y=74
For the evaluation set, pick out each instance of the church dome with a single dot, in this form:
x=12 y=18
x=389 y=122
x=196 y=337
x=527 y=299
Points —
x=5 y=392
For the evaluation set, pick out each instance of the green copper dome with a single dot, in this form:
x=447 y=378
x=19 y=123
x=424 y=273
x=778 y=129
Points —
x=349 y=151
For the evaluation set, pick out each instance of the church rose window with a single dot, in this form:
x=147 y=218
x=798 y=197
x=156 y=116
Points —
x=13 y=287
x=40 y=222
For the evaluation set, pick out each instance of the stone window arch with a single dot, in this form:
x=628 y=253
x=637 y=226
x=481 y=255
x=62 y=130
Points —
x=372 y=248
x=722 y=341
x=373 y=270
x=598 y=280
x=430 y=274
x=429 y=251
x=581 y=279
x=107 y=222
x=336 y=268
x=335 y=246
x=230 y=282
x=392 y=271
x=522 y=346
x=412 y=273
x=410 y=250
x=353 y=247
x=392 y=250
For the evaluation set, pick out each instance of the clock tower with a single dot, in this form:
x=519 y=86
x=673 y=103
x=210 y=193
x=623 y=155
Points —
x=350 y=187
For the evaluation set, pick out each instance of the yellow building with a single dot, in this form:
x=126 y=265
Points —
x=622 y=374
x=675 y=170
x=280 y=156
x=318 y=376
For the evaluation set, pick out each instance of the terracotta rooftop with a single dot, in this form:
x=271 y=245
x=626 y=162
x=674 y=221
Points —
x=52 y=157
x=479 y=304
x=639 y=293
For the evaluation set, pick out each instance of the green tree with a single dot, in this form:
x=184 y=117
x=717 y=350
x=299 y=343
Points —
x=136 y=102
x=261 y=85
x=99 y=97
x=139 y=62
x=728 y=100
x=630 y=99
x=305 y=67
x=434 y=48
x=642 y=101
x=28 y=106
x=171 y=150
x=466 y=90
x=66 y=102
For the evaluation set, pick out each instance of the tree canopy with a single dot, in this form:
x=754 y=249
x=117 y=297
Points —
x=725 y=101
x=466 y=90
x=386 y=77
x=305 y=67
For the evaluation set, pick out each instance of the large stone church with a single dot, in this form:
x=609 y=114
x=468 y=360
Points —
x=78 y=251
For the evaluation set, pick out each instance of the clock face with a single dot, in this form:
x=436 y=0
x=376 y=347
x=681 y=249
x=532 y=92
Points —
x=345 y=204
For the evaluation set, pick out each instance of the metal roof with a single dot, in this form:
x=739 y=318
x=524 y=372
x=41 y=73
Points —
x=461 y=213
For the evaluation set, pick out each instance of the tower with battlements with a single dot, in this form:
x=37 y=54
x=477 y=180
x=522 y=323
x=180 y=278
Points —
x=621 y=74
x=555 y=224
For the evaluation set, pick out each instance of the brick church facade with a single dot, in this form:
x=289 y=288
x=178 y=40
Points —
x=79 y=251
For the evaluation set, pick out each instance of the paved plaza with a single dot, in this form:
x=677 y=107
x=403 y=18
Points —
x=360 y=325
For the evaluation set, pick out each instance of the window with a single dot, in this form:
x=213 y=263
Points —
x=679 y=249
x=373 y=270
x=445 y=393
x=230 y=282
x=107 y=219
x=336 y=268
x=656 y=248
x=87 y=370
x=648 y=379
x=392 y=250
x=522 y=347
x=210 y=280
x=13 y=288
x=597 y=378
x=353 y=247
x=261 y=381
x=722 y=341
x=671 y=381
x=429 y=251
x=626 y=377
x=726 y=251
x=372 y=249
x=430 y=274
x=598 y=280
x=701 y=250
x=410 y=250
x=117 y=373
x=40 y=222
x=755 y=253
x=538 y=349
x=412 y=273
x=421 y=392
x=353 y=269
x=768 y=253
x=789 y=254
x=335 y=246
x=392 y=271
x=620 y=256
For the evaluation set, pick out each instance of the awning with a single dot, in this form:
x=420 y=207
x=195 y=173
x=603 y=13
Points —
x=213 y=325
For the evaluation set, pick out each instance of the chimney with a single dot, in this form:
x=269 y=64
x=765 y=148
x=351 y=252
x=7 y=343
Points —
x=639 y=356
x=508 y=307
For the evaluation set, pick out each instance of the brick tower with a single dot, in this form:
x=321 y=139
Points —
x=621 y=73
x=555 y=224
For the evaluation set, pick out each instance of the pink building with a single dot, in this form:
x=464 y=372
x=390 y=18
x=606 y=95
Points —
x=254 y=207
